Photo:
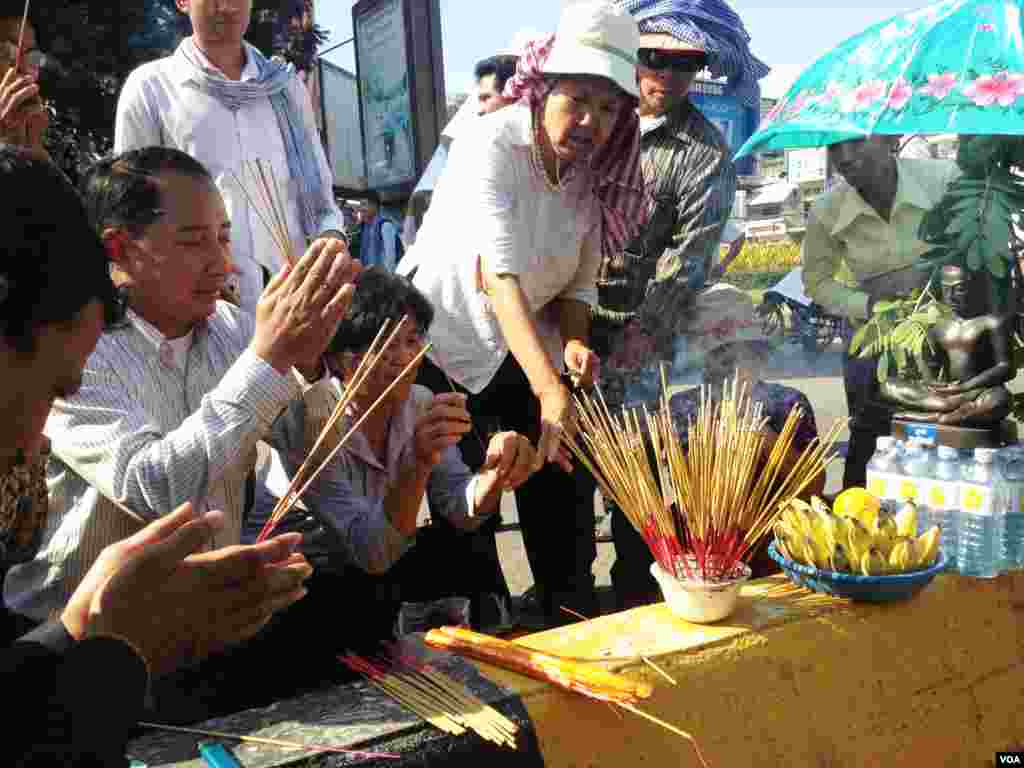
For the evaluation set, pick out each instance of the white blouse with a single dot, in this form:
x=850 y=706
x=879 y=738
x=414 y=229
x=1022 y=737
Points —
x=494 y=207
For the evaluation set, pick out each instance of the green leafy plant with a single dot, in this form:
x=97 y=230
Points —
x=972 y=224
x=897 y=334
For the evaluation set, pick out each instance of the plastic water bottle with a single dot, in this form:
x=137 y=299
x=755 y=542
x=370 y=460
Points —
x=942 y=497
x=883 y=471
x=1011 y=480
x=980 y=538
x=917 y=468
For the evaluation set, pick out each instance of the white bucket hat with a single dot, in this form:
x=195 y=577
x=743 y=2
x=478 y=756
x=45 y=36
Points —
x=595 y=38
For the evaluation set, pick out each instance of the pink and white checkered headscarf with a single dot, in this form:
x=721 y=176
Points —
x=618 y=182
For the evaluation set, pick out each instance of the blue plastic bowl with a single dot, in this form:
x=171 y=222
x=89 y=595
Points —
x=869 y=589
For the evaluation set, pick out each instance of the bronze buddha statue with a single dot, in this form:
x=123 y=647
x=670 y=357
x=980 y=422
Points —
x=974 y=355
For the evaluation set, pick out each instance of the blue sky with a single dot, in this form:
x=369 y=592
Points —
x=788 y=35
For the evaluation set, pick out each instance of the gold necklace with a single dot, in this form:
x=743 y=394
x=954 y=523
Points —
x=538 y=164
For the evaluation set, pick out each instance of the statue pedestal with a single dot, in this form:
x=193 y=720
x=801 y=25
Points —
x=961 y=438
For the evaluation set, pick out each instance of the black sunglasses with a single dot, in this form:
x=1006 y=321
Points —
x=679 y=61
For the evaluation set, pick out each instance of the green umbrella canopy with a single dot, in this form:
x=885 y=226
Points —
x=956 y=66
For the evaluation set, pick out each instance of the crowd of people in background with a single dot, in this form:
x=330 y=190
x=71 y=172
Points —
x=168 y=370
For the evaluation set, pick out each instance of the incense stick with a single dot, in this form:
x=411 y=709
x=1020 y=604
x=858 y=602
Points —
x=668 y=727
x=19 y=55
x=270 y=742
x=264 y=197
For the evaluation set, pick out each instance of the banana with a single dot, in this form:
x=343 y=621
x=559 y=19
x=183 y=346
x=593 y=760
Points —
x=906 y=520
x=883 y=537
x=819 y=551
x=805 y=551
x=903 y=557
x=829 y=524
x=872 y=563
x=886 y=526
x=928 y=547
x=819 y=506
x=782 y=538
x=840 y=562
x=858 y=538
x=794 y=519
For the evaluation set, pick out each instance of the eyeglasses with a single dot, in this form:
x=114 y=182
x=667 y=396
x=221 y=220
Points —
x=678 y=61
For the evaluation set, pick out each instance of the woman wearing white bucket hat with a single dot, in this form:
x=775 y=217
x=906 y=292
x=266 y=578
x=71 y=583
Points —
x=533 y=195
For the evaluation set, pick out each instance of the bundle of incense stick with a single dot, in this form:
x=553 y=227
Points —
x=435 y=697
x=315 y=463
x=282 y=744
x=258 y=183
x=702 y=510
x=593 y=682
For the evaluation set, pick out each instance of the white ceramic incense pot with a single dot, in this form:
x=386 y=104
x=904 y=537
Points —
x=701 y=602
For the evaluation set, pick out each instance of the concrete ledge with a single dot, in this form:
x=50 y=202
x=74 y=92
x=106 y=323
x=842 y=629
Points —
x=795 y=679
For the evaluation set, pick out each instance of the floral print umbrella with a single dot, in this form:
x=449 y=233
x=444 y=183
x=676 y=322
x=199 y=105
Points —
x=956 y=66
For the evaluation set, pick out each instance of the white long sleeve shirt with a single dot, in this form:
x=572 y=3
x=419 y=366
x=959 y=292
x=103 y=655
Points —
x=160 y=106
x=495 y=213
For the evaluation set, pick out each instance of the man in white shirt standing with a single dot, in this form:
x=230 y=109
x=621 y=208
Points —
x=221 y=101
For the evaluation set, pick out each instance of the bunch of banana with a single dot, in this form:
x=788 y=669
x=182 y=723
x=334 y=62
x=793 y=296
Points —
x=864 y=540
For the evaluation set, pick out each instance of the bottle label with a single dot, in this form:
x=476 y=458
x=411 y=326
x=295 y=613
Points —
x=976 y=499
x=884 y=485
x=909 y=487
x=938 y=494
x=926 y=434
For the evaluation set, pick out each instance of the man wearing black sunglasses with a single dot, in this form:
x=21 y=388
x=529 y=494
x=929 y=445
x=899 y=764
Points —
x=646 y=293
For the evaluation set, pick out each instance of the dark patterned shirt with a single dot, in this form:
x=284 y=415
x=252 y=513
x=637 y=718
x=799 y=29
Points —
x=777 y=399
x=687 y=166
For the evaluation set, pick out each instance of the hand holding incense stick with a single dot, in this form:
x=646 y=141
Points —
x=290 y=499
x=366 y=366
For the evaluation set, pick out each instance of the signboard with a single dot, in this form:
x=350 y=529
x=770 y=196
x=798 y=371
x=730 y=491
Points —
x=804 y=166
x=339 y=94
x=767 y=229
x=401 y=89
x=384 y=95
x=719 y=104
